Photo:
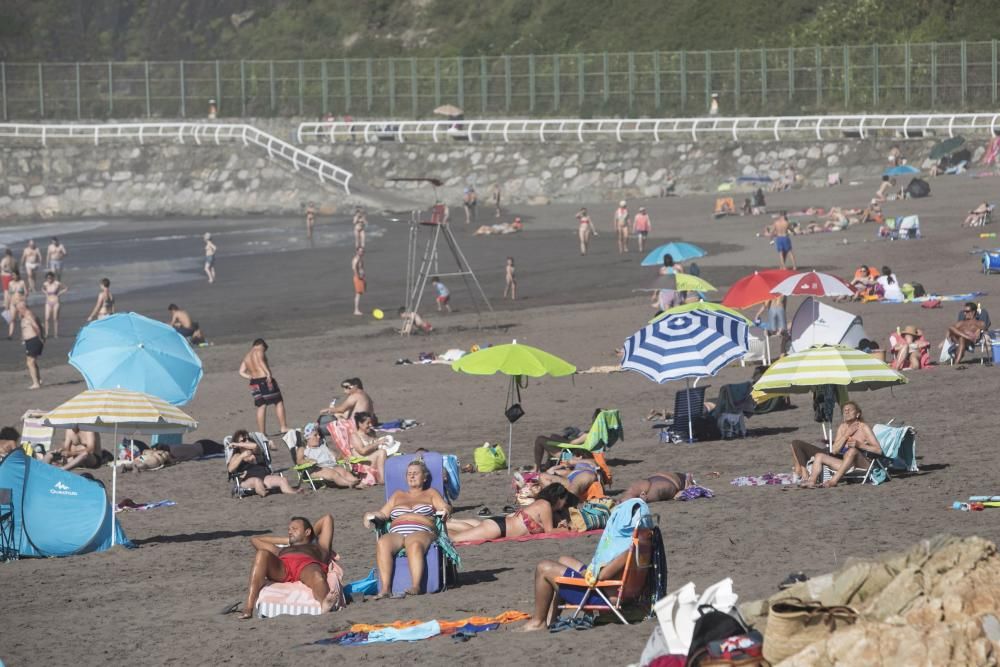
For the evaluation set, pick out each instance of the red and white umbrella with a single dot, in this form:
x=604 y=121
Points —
x=813 y=283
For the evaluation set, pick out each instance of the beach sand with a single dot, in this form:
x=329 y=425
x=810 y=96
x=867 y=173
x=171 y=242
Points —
x=160 y=603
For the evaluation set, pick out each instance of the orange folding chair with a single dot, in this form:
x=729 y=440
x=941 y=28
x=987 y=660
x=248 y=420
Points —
x=604 y=595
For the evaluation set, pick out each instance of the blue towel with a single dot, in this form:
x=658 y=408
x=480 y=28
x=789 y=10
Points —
x=896 y=446
x=453 y=482
x=412 y=633
x=617 y=535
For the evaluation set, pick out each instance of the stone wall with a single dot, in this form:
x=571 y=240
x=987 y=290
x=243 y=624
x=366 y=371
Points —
x=72 y=180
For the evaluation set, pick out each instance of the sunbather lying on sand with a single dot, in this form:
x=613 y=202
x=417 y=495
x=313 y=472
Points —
x=659 y=486
x=540 y=516
x=305 y=558
x=543 y=448
x=580 y=476
x=853 y=437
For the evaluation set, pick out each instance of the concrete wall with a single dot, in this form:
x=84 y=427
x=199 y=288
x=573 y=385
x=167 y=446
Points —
x=70 y=180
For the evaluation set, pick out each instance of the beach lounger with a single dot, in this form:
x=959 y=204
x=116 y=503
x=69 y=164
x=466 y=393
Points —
x=295 y=598
x=441 y=557
x=236 y=488
x=604 y=432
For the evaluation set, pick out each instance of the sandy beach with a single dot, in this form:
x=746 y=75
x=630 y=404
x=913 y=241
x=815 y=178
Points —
x=160 y=603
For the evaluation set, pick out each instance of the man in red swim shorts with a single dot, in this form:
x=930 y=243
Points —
x=305 y=558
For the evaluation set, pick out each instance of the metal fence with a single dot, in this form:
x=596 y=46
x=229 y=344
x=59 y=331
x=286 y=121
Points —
x=946 y=76
x=192 y=133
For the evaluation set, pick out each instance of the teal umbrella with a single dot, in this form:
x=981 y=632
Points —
x=679 y=250
x=946 y=147
x=133 y=352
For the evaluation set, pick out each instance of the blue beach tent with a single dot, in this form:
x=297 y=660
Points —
x=57 y=513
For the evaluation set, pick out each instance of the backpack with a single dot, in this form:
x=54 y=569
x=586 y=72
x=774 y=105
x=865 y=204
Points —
x=713 y=626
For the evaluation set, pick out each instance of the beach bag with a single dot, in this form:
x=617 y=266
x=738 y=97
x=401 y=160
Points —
x=489 y=458
x=591 y=515
x=793 y=625
x=514 y=411
x=712 y=625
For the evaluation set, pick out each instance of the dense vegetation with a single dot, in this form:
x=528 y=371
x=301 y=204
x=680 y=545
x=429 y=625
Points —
x=68 y=30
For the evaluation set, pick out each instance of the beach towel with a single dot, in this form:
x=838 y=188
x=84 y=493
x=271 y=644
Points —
x=617 y=537
x=561 y=535
x=296 y=599
x=896 y=446
x=968 y=296
x=415 y=633
x=767 y=479
x=695 y=492
x=506 y=617
x=452 y=480
x=128 y=505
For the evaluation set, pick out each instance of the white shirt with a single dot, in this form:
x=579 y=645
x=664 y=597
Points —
x=890 y=291
x=321 y=456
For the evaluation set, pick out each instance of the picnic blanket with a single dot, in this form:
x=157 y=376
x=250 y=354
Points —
x=561 y=535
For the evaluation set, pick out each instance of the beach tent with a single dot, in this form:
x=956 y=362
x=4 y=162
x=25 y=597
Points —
x=820 y=324
x=56 y=513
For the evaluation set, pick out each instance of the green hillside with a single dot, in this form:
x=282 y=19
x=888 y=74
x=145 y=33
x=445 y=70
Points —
x=68 y=30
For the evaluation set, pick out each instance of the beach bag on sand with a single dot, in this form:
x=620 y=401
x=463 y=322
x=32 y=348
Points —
x=793 y=625
x=489 y=458
x=713 y=625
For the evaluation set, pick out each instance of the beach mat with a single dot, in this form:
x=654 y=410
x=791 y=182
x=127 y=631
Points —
x=563 y=535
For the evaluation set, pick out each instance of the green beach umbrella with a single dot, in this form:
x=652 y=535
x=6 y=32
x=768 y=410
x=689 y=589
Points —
x=701 y=305
x=513 y=360
x=801 y=372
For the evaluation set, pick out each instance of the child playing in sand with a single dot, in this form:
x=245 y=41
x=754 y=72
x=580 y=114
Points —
x=413 y=319
x=444 y=294
x=510 y=282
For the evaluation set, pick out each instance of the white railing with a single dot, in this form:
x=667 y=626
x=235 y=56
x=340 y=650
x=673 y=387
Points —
x=199 y=133
x=655 y=129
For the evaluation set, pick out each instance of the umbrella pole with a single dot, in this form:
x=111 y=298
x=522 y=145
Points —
x=687 y=382
x=510 y=439
x=114 y=488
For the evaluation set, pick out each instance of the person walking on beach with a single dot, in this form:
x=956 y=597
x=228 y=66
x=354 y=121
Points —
x=619 y=225
x=210 y=250
x=17 y=293
x=360 y=282
x=54 y=256
x=34 y=342
x=585 y=231
x=360 y=222
x=105 y=302
x=7 y=266
x=469 y=200
x=510 y=282
x=263 y=387
x=306 y=558
x=444 y=294
x=783 y=241
x=53 y=289
x=641 y=227
x=31 y=260
x=495 y=196
x=310 y=219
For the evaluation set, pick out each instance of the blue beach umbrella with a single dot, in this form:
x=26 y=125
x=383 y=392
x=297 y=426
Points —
x=679 y=250
x=901 y=170
x=686 y=345
x=131 y=351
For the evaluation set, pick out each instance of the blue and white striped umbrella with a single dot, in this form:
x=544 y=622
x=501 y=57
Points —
x=686 y=345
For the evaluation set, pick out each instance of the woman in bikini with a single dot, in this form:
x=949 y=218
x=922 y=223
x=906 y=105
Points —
x=410 y=515
x=538 y=517
x=659 y=486
x=17 y=292
x=360 y=222
x=53 y=289
x=853 y=437
x=365 y=442
x=105 y=305
x=581 y=477
x=586 y=230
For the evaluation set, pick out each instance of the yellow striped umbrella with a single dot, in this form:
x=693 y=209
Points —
x=120 y=411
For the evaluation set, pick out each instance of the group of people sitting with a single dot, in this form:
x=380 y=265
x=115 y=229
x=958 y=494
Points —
x=910 y=349
x=870 y=284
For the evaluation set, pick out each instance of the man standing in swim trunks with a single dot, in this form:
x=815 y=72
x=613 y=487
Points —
x=619 y=224
x=210 y=250
x=358 y=269
x=782 y=240
x=34 y=342
x=305 y=559
x=31 y=259
x=184 y=325
x=54 y=255
x=263 y=387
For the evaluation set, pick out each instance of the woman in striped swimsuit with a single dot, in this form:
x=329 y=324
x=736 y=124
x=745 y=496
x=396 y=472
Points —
x=411 y=516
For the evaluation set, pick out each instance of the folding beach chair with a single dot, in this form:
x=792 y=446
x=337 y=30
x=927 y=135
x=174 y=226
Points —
x=724 y=206
x=35 y=432
x=341 y=431
x=441 y=559
x=678 y=430
x=604 y=432
x=899 y=451
x=236 y=487
x=8 y=545
x=293 y=439
x=991 y=261
x=909 y=227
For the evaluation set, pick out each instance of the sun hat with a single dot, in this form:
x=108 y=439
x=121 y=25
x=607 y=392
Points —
x=309 y=429
x=622 y=203
x=911 y=330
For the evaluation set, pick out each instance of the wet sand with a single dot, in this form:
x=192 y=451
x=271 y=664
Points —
x=159 y=604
